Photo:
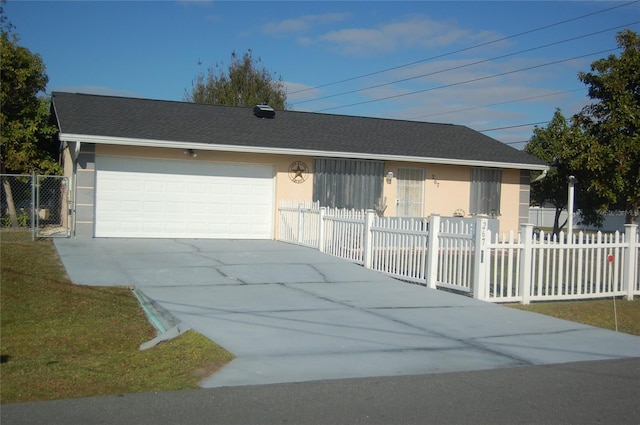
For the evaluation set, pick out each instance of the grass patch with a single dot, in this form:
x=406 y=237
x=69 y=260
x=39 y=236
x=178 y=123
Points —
x=599 y=312
x=60 y=340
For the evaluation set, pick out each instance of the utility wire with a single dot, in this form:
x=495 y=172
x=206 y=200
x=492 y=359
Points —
x=465 y=49
x=467 y=65
x=511 y=126
x=452 y=111
x=473 y=80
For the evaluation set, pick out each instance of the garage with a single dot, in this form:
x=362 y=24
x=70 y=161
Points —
x=161 y=198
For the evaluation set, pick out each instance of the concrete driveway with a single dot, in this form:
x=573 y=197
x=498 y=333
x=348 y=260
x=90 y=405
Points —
x=293 y=314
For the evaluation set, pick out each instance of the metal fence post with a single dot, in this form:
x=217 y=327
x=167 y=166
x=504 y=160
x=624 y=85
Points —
x=34 y=206
x=432 y=251
x=323 y=211
x=368 y=240
x=631 y=260
x=526 y=233
x=481 y=258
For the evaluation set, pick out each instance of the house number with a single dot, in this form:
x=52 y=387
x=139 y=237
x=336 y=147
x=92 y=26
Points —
x=298 y=171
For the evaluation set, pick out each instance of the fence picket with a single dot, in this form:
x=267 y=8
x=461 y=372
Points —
x=443 y=252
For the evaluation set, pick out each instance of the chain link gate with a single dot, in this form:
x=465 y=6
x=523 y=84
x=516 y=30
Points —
x=52 y=206
x=38 y=205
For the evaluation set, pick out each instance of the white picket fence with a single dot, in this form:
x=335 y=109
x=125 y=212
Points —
x=542 y=267
x=438 y=252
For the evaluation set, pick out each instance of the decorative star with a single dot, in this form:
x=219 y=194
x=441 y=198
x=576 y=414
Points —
x=298 y=171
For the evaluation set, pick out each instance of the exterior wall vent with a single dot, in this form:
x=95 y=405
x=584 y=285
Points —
x=264 y=111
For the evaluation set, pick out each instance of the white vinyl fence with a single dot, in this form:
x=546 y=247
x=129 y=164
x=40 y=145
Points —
x=543 y=267
x=463 y=255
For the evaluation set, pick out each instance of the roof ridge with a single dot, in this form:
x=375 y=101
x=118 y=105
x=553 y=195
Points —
x=184 y=102
x=146 y=99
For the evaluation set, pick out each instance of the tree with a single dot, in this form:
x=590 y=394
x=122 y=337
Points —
x=610 y=152
x=5 y=24
x=548 y=145
x=553 y=145
x=246 y=83
x=26 y=134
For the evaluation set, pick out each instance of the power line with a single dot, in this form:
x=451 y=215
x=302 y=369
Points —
x=473 y=80
x=512 y=126
x=466 y=65
x=466 y=48
x=452 y=111
x=516 y=143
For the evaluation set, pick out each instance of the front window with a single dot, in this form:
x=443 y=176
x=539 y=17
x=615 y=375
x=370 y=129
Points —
x=485 y=191
x=347 y=183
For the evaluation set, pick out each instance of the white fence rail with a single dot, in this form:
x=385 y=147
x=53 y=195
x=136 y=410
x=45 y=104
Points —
x=542 y=267
x=454 y=252
x=399 y=247
x=343 y=234
x=463 y=255
x=299 y=223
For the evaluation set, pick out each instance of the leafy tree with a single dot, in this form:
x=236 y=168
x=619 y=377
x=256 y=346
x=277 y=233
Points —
x=553 y=144
x=245 y=83
x=610 y=152
x=548 y=144
x=5 y=24
x=26 y=134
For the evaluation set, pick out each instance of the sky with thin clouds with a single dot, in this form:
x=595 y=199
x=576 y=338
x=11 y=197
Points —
x=498 y=67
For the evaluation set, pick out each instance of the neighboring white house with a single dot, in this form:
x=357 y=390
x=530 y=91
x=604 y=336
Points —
x=543 y=217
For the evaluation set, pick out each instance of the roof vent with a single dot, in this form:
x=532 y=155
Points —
x=264 y=111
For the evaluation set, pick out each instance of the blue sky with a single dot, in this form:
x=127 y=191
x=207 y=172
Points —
x=485 y=65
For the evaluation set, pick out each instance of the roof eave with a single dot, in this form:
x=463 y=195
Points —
x=126 y=141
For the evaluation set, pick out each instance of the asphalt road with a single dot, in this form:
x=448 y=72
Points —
x=602 y=392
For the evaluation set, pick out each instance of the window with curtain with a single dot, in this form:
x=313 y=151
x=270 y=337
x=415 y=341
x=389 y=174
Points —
x=347 y=183
x=485 y=191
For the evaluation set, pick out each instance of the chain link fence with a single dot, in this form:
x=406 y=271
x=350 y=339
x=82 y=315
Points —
x=34 y=205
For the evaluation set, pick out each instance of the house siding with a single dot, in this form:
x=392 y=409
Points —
x=85 y=175
x=85 y=186
x=446 y=187
x=525 y=196
x=510 y=201
x=447 y=190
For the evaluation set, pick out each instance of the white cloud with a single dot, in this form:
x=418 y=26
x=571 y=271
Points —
x=297 y=92
x=416 y=31
x=465 y=87
x=302 y=23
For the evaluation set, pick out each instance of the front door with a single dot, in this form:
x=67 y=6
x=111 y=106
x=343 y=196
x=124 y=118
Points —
x=410 y=192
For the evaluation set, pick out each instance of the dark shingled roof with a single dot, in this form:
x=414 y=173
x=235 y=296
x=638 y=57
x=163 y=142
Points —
x=132 y=118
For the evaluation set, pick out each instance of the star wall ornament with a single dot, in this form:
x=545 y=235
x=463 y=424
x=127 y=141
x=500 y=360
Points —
x=298 y=172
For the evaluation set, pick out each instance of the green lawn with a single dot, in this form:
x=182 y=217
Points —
x=599 y=312
x=59 y=340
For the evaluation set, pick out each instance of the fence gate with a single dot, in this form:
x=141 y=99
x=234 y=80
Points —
x=35 y=204
x=52 y=206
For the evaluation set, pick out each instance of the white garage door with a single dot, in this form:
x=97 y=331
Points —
x=183 y=199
